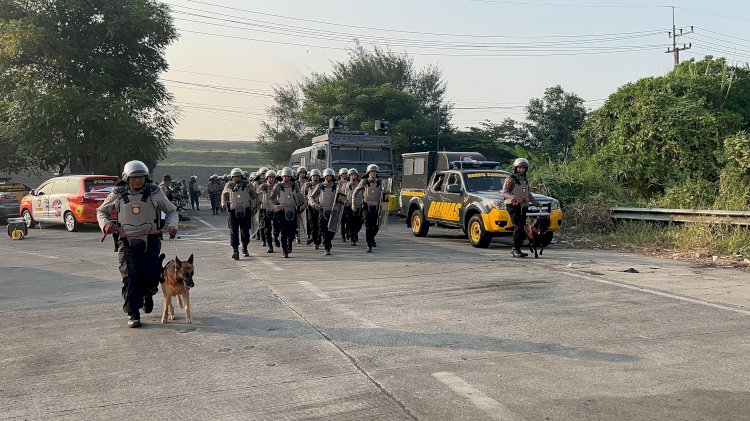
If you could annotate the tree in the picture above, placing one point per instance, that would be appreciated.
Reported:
(552, 120)
(285, 132)
(79, 83)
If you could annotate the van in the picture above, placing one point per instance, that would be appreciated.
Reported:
(71, 200)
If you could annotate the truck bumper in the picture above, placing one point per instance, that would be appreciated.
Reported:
(498, 221)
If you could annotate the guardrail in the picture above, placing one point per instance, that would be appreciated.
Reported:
(741, 218)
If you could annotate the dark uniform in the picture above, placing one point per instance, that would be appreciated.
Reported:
(287, 196)
(313, 215)
(138, 225)
(373, 197)
(323, 198)
(268, 220)
(214, 192)
(517, 197)
(236, 198)
(353, 208)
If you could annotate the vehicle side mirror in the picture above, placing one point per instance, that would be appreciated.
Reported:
(453, 188)
(321, 154)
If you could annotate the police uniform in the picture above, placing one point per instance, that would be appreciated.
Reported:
(214, 192)
(268, 220)
(353, 209)
(288, 196)
(302, 215)
(343, 180)
(313, 216)
(139, 243)
(516, 197)
(324, 196)
(236, 198)
(373, 196)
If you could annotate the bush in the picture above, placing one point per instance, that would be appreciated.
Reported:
(577, 181)
(690, 194)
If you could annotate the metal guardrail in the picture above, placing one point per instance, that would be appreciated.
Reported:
(741, 218)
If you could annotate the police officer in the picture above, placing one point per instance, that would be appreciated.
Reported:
(214, 192)
(286, 198)
(266, 209)
(372, 188)
(194, 193)
(236, 198)
(138, 203)
(313, 215)
(258, 180)
(323, 199)
(517, 197)
(301, 217)
(342, 182)
(353, 206)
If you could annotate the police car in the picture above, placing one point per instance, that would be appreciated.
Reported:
(463, 190)
(70, 200)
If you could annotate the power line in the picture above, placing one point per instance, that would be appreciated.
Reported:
(675, 50)
(573, 5)
(221, 76)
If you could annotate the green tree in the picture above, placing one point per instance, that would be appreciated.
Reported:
(79, 82)
(552, 120)
(284, 132)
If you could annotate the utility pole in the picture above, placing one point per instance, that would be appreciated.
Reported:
(675, 50)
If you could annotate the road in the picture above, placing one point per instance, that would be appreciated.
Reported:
(424, 328)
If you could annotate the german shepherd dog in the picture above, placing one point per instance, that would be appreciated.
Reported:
(176, 280)
(536, 232)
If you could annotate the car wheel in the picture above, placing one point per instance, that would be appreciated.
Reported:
(28, 219)
(71, 223)
(547, 238)
(477, 235)
(419, 226)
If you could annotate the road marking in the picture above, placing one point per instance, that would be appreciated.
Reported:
(37, 254)
(266, 262)
(338, 306)
(490, 406)
(207, 224)
(659, 293)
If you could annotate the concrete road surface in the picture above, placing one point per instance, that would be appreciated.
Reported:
(424, 328)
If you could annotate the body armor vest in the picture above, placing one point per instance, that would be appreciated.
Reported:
(215, 187)
(265, 194)
(288, 196)
(137, 214)
(327, 196)
(240, 195)
(351, 197)
(520, 188)
(373, 191)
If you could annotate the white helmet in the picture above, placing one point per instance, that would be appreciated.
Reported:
(287, 172)
(373, 167)
(271, 173)
(315, 171)
(235, 171)
(353, 171)
(329, 171)
(343, 171)
(261, 170)
(134, 169)
(214, 177)
(301, 169)
(521, 162)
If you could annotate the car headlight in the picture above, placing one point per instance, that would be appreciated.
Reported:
(497, 204)
(555, 204)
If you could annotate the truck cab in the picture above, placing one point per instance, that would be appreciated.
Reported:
(463, 190)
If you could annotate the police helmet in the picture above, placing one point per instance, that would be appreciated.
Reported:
(134, 169)
(214, 177)
(521, 162)
(235, 171)
(251, 176)
(343, 171)
(271, 173)
(262, 170)
(245, 174)
(373, 167)
(328, 171)
(301, 169)
(287, 172)
(353, 171)
(315, 171)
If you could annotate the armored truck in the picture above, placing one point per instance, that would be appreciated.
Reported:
(463, 190)
(339, 148)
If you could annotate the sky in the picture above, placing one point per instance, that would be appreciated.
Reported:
(494, 55)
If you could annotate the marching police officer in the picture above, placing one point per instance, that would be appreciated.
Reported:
(301, 216)
(286, 198)
(517, 197)
(342, 182)
(323, 199)
(353, 206)
(214, 192)
(313, 215)
(236, 198)
(266, 210)
(373, 196)
(139, 204)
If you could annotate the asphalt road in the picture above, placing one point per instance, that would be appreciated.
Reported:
(424, 328)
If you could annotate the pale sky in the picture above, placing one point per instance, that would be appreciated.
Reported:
(494, 55)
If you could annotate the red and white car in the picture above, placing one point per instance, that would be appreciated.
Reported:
(70, 200)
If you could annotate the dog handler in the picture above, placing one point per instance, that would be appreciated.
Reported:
(517, 198)
(138, 203)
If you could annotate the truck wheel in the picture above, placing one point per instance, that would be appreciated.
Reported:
(477, 235)
(547, 238)
(419, 226)
(28, 219)
(71, 223)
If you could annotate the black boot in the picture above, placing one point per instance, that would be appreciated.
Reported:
(518, 253)
(270, 248)
(244, 252)
(134, 321)
(236, 255)
(148, 303)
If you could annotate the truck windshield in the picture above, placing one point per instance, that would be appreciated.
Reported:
(484, 181)
(345, 153)
(375, 154)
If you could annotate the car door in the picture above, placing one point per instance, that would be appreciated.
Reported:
(453, 202)
(59, 199)
(41, 202)
(432, 197)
